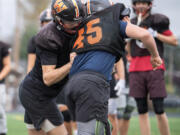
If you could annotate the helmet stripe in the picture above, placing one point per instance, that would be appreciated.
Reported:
(48, 13)
(76, 6)
(88, 7)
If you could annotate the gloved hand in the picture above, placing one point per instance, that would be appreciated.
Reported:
(152, 32)
(120, 85)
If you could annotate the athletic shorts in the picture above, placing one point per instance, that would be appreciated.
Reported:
(87, 94)
(125, 100)
(112, 106)
(152, 82)
(38, 107)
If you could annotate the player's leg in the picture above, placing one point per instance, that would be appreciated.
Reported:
(162, 119)
(127, 115)
(142, 107)
(67, 121)
(30, 127)
(92, 127)
(47, 128)
(90, 93)
(112, 114)
(138, 90)
(157, 94)
(121, 105)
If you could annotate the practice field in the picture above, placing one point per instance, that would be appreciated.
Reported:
(17, 127)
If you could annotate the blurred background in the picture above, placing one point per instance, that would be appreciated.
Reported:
(20, 21)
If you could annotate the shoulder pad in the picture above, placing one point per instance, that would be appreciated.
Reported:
(49, 38)
(160, 22)
(121, 9)
(125, 12)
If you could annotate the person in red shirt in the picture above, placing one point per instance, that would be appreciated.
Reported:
(143, 79)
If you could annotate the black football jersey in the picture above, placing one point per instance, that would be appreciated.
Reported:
(101, 31)
(157, 22)
(4, 51)
(52, 48)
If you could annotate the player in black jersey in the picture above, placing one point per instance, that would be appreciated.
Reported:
(45, 18)
(99, 44)
(38, 90)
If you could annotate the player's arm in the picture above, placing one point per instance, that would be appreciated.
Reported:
(31, 50)
(31, 61)
(52, 75)
(6, 67)
(128, 48)
(120, 69)
(120, 85)
(136, 32)
(170, 40)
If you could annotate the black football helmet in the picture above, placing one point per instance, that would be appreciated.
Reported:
(148, 1)
(67, 10)
(93, 6)
(45, 16)
(142, 11)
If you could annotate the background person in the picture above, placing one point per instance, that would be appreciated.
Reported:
(5, 67)
(143, 79)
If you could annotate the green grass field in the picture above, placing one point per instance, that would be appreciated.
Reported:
(17, 127)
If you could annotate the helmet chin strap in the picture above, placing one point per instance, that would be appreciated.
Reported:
(139, 19)
(141, 13)
(61, 28)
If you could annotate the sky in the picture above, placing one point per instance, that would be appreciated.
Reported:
(171, 8)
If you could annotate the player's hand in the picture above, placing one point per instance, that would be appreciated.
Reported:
(119, 87)
(72, 56)
(156, 62)
(152, 32)
(126, 19)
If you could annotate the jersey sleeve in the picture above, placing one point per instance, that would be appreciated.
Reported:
(123, 25)
(48, 38)
(160, 23)
(31, 46)
(47, 57)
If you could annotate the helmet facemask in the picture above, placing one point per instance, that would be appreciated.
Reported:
(140, 8)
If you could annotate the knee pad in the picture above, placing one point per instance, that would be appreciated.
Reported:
(67, 116)
(128, 111)
(142, 105)
(120, 113)
(158, 104)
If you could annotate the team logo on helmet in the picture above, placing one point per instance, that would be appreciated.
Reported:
(59, 6)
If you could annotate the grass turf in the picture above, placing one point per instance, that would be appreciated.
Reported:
(16, 125)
